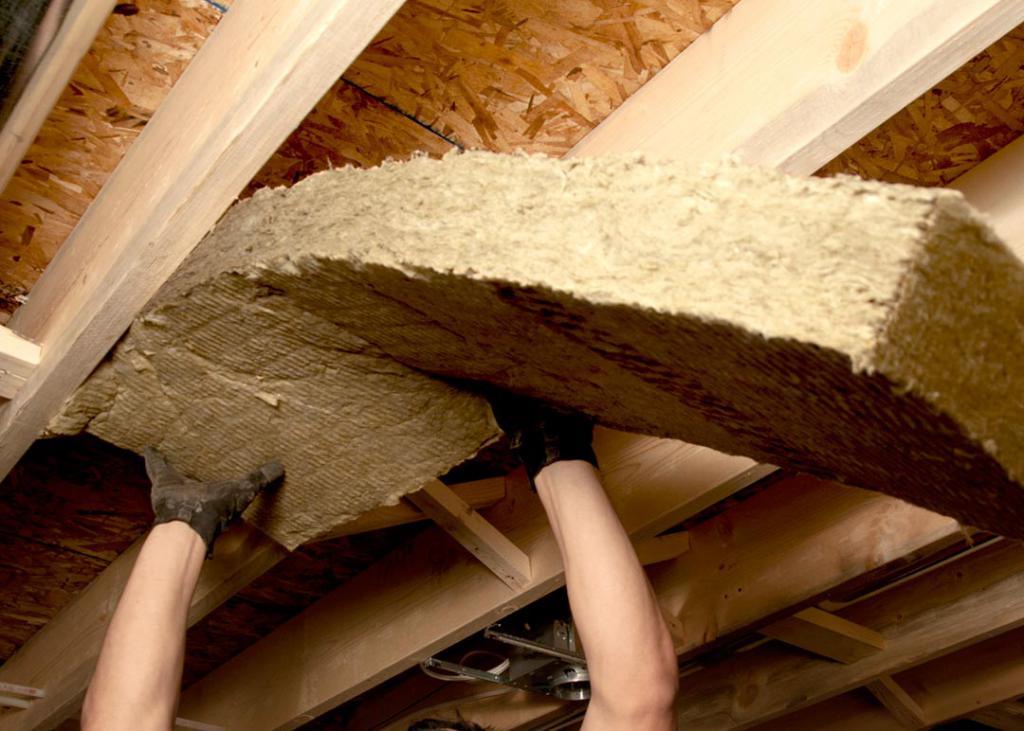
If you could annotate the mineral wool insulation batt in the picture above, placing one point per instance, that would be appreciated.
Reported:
(870, 333)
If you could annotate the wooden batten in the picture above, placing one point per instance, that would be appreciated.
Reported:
(827, 635)
(898, 701)
(944, 133)
(457, 518)
(18, 358)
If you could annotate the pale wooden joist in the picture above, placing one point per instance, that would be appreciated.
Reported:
(18, 358)
(81, 23)
(992, 187)
(494, 550)
(843, 533)
(962, 603)
(900, 704)
(784, 549)
(980, 682)
(1005, 716)
(827, 635)
(243, 554)
(257, 76)
(402, 609)
(791, 84)
(477, 494)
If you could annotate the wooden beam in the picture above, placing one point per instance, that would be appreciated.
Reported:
(753, 571)
(440, 503)
(662, 548)
(899, 703)
(1005, 716)
(791, 84)
(257, 76)
(424, 598)
(60, 657)
(992, 188)
(827, 635)
(18, 358)
(477, 494)
(978, 682)
(959, 604)
(81, 23)
(243, 554)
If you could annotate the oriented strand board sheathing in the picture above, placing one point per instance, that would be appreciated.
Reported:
(945, 132)
(137, 57)
(528, 75)
(853, 329)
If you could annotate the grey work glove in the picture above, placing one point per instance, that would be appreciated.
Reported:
(540, 433)
(207, 507)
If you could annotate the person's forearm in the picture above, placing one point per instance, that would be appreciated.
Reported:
(138, 675)
(628, 647)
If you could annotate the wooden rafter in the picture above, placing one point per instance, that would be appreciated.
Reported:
(61, 656)
(957, 605)
(78, 339)
(495, 551)
(827, 635)
(18, 358)
(791, 84)
(980, 681)
(400, 610)
(262, 69)
(242, 555)
(784, 549)
(898, 701)
(79, 27)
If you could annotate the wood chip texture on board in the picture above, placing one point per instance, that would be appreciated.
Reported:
(861, 331)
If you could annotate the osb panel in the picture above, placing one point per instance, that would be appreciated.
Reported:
(972, 114)
(525, 74)
(346, 127)
(136, 58)
(67, 509)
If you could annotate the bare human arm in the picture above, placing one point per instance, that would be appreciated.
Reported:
(633, 669)
(138, 674)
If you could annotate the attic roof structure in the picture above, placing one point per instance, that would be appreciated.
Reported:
(806, 383)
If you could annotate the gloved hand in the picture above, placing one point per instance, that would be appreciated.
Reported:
(206, 506)
(541, 433)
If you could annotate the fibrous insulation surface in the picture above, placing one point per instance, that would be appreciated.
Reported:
(868, 332)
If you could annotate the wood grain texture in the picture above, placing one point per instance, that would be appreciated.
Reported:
(1003, 716)
(525, 74)
(61, 657)
(77, 31)
(138, 55)
(751, 572)
(477, 494)
(457, 518)
(899, 703)
(18, 358)
(135, 235)
(951, 128)
(979, 682)
(409, 598)
(827, 635)
(960, 604)
(826, 75)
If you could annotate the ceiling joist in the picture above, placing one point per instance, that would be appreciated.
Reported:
(867, 64)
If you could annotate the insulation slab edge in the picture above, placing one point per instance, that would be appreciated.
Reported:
(864, 332)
